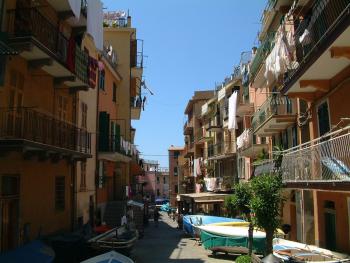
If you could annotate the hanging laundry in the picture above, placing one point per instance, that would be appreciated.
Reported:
(143, 103)
(93, 65)
(71, 55)
(75, 6)
(232, 109)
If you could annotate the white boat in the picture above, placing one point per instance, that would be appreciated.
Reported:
(290, 250)
(109, 257)
(231, 231)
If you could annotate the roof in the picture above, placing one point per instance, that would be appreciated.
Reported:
(202, 195)
(208, 201)
(6, 50)
(176, 148)
(199, 95)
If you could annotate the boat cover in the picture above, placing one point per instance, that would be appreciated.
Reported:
(210, 240)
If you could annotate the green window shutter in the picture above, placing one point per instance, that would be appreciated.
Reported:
(104, 131)
(117, 137)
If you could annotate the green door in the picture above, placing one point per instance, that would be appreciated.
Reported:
(330, 230)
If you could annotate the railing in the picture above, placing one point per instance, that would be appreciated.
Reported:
(29, 22)
(274, 105)
(325, 18)
(32, 125)
(245, 140)
(110, 55)
(216, 149)
(324, 159)
(115, 143)
(200, 134)
(262, 52)
(136, 102)
(267, 166)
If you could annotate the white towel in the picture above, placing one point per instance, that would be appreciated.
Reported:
(95, 22)
(232, 108)
(75, 5)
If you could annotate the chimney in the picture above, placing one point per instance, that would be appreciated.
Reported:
(129, 21)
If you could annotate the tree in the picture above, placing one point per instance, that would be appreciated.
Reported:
(266, 204)
(241, 200)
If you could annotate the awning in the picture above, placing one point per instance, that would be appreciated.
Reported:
(209, 201)
(6, 50)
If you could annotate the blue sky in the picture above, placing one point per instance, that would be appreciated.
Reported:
(191, 45)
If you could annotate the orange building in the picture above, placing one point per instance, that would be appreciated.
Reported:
(40, 141)
(174, 170)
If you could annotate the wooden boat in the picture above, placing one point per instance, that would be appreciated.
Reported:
(231, 231)
(190, 222)
(299, 252)
(120, 239)
(110, 257)
(230, 224)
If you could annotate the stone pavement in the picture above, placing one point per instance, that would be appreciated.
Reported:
(169, 244)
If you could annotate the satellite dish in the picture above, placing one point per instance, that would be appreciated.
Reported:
(110, 50)
(123, 14)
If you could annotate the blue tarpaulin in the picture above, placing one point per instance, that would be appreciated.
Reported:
(34, 252)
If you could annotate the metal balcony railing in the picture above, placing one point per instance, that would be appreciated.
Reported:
(326, 16)
(216, 149)
(324, 159)
(262, 52)
(116, 144)
(32, 125)
(273, 106)
(29, 22)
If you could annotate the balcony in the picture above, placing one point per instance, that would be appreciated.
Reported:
(215, 124)
(136, 105)
(37, 132)
(248, 146)
(324, 51)
(189, 149)
(321, 163)
(221, 150)
(276, 114)
(244, 107)
(136, 59)
(262, 52)
(188, 127)
(114, 148)
(42, 44)
(201, 136)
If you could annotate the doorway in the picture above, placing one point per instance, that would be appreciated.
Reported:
(330, 225)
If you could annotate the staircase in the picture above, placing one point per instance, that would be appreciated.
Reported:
(114, 212)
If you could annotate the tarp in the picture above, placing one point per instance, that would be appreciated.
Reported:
(34, 252)
(209, 241)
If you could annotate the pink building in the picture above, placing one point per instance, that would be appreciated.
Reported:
(155, 181)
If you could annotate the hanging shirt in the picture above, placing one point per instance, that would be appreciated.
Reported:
(232, 109)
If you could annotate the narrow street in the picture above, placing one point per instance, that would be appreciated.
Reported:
(169, 244)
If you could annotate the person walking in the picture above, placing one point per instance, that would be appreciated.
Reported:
(156, 217)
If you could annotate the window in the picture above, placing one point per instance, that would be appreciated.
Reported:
(101, 80)
(114, 92)
(158, 192)
(2, 69)
(84, 108)
(83, 175)
(175, 171)
(157, 179)
(164, 181)
(16, 89)
(60, 193)
(176, 188)
(176, 154)
(9, 185)
(323, 118)
(62, 108)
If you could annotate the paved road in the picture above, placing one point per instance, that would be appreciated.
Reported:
(169, 244)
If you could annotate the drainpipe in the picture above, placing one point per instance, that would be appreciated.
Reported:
(96, 146)
(73, 170)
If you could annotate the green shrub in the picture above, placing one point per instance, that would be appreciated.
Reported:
(243, 259)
